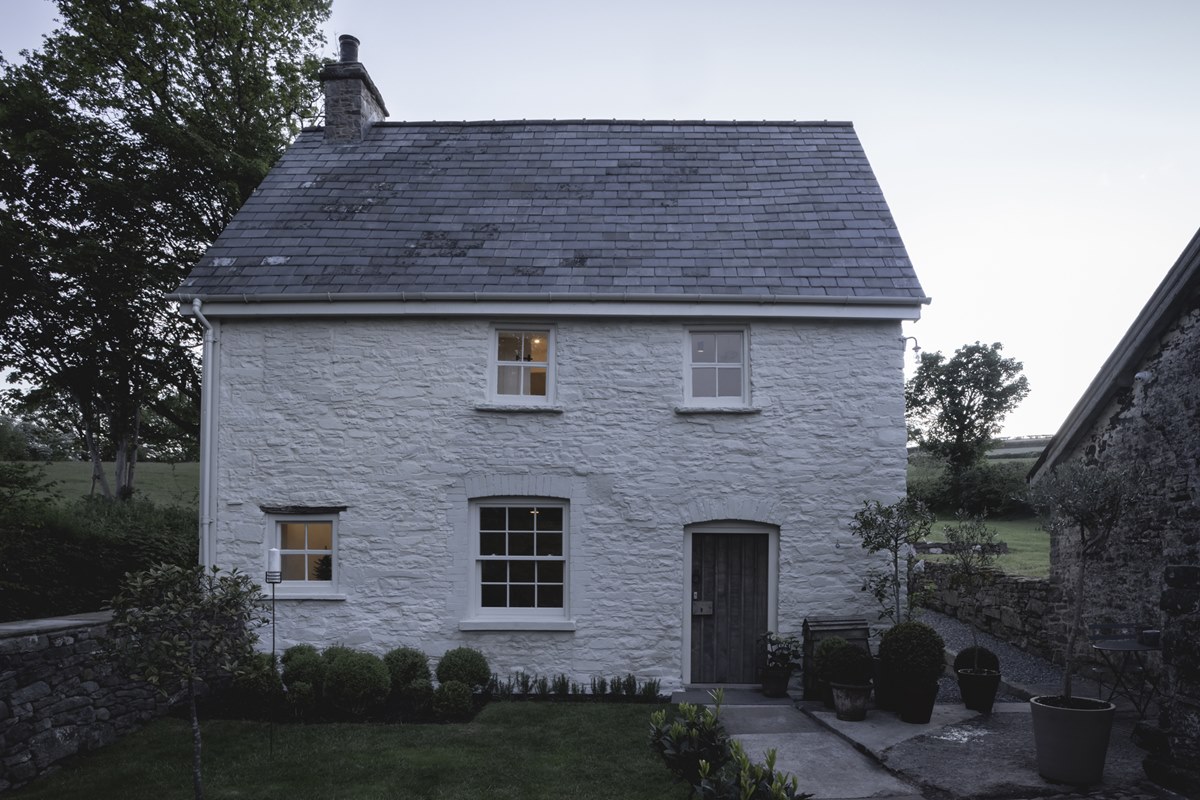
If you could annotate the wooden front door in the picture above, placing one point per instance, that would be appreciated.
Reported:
(730, 576)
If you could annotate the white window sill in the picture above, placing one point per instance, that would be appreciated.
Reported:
(516, 625)
(520, 408)
(307, 595)
(698, 409)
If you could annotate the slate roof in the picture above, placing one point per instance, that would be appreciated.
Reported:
(672, 210)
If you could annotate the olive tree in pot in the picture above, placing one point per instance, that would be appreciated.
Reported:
(849, 669)
(1086, 502)
(913, 654)
(899, 587)
(972, 547)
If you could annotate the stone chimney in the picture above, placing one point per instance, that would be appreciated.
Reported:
(352, 103)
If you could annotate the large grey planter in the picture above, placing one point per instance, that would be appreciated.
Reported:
(1072, 743)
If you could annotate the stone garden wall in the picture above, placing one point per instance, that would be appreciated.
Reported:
(58, 696)
(1010, 607)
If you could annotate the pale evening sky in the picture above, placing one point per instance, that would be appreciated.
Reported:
(1040, 156)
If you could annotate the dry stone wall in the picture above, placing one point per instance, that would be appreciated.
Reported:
(59, 696)
(1147, 572)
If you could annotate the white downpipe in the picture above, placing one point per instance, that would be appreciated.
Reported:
(207, 436)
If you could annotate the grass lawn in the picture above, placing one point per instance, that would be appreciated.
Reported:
(1028, 546)
(165, 484)
(511, 750)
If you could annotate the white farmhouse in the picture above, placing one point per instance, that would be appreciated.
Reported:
(593, 397)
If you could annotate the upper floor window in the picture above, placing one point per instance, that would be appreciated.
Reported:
(717, 369)
(522, 364)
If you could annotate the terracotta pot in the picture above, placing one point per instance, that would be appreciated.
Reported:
(915, 702)
(978, 688)
(850, 700)
(1071, 738)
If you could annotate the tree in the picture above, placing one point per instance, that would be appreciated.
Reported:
(1086, 501)
(895, 529)
(126, 145)
(954, 406)
(176, 626)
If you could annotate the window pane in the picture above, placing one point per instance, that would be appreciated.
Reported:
(508, 380)
(520, 596)
(520, 544)
(539, 345)
(291, 535)
(729, 382)
(550, 597)
(704, 347)
(494, 571)
(509, 346)
(320, 568)
(491, 544)
(522, 518)
(521, 571)
(292, 567)
(320, 536)
(550, 519)
(729, 348)
(492, 519)
(494, 596)
(550, 571)
(704, 382)
(549, 543)
(537, 381)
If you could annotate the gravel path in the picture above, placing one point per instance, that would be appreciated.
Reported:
(1016, 666)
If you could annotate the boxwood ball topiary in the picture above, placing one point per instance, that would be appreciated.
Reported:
(406, 664)
(825, 648)
(303, 664)
(452, 700)
(966, 658)
(465, 665)
(913, 653)
(850, 665)
(356, 684)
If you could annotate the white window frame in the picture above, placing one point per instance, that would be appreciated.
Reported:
(740, 401)
(306, 587)
(491, 613)
(494, 364)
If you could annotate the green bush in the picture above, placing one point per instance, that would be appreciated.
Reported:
(912, 653)
(71, 558)
(415, 701)
(256, 691)
(826, 648)
(356, 683)
(850, 665)
(464, 665)
(966, 658)
(694, 735)
(741, 779)
(405, 665)
(453, 700)
(303, 664)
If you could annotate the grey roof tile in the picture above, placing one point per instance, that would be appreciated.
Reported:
(588, 207)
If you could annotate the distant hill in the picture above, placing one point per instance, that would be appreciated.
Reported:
(165, 484)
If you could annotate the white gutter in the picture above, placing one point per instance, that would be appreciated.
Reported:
(207, 437)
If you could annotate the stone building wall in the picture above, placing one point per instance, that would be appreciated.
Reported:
(58, 695)
(1147, 572)
(1010, 607)
(389, 419)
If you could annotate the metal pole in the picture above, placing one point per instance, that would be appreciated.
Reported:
(274, 576)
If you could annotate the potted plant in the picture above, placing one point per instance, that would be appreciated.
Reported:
(849, 669)
(913, 655)
(783, 656)
(1084, 502)
(972, 547)
(899, 587)
(821, 655)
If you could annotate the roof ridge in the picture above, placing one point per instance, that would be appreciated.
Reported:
(824, 123)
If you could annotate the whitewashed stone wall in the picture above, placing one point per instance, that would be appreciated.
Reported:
(381, 416)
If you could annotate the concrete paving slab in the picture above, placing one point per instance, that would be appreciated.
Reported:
(767, 719)
(825, 766)
(883, 729)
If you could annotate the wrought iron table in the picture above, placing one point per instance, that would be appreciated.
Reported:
(1126, 658)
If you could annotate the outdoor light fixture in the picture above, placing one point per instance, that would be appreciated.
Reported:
(916, 347)
(274, 577)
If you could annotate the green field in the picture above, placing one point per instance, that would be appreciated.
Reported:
(1028, 546)
(165, 484)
